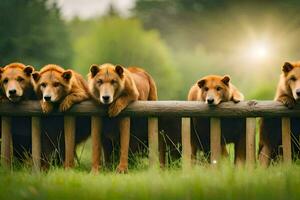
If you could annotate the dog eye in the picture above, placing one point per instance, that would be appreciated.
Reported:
(205, 88)
(100, 81)
(20, 79)
(43, 85)
(218, 88)
(113, 81)
(5, 81)
(293, 78)
(56, 84)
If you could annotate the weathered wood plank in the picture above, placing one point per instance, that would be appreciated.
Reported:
(153, 141)
(69, 128)
(286, 140)
(6, 142)
(36, 143)
(215, 140)
(96, 128)
(186, 142)
(163, 108)
(250, 141)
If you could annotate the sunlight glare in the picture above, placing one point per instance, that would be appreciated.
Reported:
(259, 51)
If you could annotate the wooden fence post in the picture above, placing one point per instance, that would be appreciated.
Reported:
(250, 141)
(96, 131)
(6, 142)
(36, 143)
(186, 142)
(69, 128)
(215, 140)
(153, 141)
(286, 140)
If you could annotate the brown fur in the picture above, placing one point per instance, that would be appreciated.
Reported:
(288, 84)
(16, 87)
(108, 81)
(216, 87)
(214, 90)
(288, 93)
(116, 87)
(65, 88)
(15, 81)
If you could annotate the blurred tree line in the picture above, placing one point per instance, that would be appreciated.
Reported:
(177, 41)
(33, 32)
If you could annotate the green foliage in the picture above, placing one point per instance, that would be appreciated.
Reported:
(124, 41)
(32, 31)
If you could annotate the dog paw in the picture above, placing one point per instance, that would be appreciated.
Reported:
(64, 106)
(236, 100)
(113, 110)
(46, 107)
(122, 169)
(288, 102)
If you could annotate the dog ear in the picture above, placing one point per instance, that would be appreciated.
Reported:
(36, 76)
(28, 70)
(94, 69)
(201, 83)
(120, 70)
(287, 67)
(226, 80)
(67, 75)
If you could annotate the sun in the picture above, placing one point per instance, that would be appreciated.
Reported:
(259, 51)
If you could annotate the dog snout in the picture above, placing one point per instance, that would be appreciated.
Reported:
(12, 91)
(298, 92)
(47, 98)
(106, 98)
(210, 100)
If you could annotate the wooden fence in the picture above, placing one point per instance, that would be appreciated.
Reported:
(152, 110)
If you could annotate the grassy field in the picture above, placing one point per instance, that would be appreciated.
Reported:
(200, 182)
(205, 182)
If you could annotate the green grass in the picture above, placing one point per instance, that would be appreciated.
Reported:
(200, 182)
(223, 182)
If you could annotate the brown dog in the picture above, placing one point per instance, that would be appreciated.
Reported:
(116, 87)
(16, 86)
(288, 93)
(15, 82)
(214, 90)
(59, 88)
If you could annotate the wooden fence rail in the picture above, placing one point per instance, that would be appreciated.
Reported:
(152, 110)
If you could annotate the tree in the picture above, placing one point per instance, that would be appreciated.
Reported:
(33, 32)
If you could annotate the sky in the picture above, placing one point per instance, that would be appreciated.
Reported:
(90, 8)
